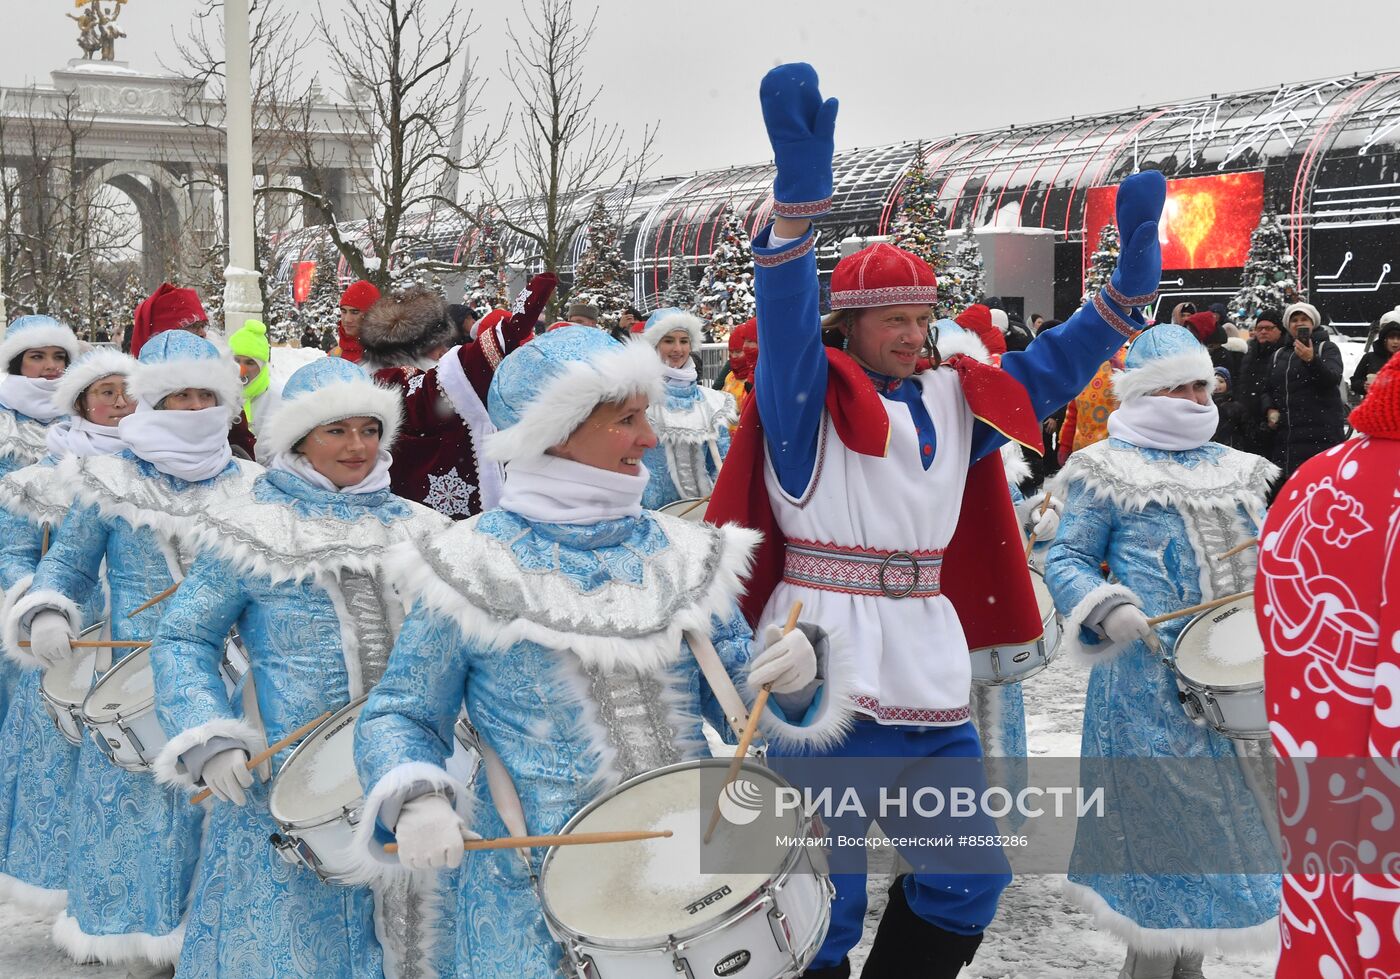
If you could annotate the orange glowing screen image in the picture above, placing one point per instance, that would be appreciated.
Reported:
(1206, 222)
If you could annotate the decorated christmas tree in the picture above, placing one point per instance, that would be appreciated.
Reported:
(1267, 282)
(1102, 262)
(725, 298)
(680, 291)
(960, 284)
(920, 227)
(488, 290)
(602, 276)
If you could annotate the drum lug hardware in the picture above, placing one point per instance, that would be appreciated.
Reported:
(681, 966)
(782, 931)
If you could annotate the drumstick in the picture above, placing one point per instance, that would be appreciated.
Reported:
(700, 502)
(108, 644)
(1030, 541)
(1203, 607)
(555, 839)
(267, 753)
(154, 601)
(758, 704)
(1252, 542)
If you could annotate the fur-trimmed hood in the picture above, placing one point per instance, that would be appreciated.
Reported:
(326, 390)
(668, 320)
(88, 370)
(30, 332)
(402, 327)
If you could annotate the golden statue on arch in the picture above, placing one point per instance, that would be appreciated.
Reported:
(97, 30)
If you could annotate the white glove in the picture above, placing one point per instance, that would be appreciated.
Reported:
(788, 662)
(226, 775)
(430, 834)
(51, 637)
(1044, 526)
(1127, 624)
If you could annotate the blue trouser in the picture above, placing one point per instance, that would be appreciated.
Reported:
(961, 893)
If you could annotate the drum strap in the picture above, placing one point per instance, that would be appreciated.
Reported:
(718, 677)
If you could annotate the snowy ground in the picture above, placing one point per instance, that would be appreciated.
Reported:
(1036, 935)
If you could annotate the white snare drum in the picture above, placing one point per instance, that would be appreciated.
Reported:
(645, 909)
(1012, 664)
(121, 711)
(1219, 666)
(65, 686)
(692, 510)
(316, 799)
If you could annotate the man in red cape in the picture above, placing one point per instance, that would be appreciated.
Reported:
(885, 509)
(1327, 600)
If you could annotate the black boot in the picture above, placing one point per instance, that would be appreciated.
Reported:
(908, 947)
(842, 971)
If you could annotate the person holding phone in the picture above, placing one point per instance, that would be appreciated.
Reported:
(1303, 398)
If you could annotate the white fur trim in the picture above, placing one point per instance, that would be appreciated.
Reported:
(688, 322)
(453, 383)
(1308, 308)
(1106, 593)
(152, 382)
(417, 582)
(1000, 320)
(102, 362)
(17, 342)
(9, 634)
(965, 342)
(295, 417)
(569, 398)
(1013, 462)
(14, 631)
(167, 764)
(1163, 374)
(833, 722)
(117, 949)
(1125, 477)
(1263, 937)
(36, 900)
(1237, 345)
(369, 861)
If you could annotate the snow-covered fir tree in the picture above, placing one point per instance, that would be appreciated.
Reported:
(680, 290)
(725, 298)
(1102, 262)
(1267, 282)
(282, 316)
(961, 283)
(920, 227)
(488, 290)
(603, 277)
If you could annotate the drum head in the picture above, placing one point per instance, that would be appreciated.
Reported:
(125, 688)
(692, 510)
(1043, 601)
(1222, 647)
(68, 682)
(319, 779)
(638, 893)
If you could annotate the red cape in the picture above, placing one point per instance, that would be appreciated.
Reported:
(985, 573)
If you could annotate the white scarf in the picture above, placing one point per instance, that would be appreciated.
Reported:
(1159, 422)
(550, 489)
(679, 377)
(79, 437)
(32, 396)
(192, 445)
(298, 465)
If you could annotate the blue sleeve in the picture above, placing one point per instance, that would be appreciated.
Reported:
(73, 565)
(1073, 566)
(20, 542)
(790, 379)
(1054, 368)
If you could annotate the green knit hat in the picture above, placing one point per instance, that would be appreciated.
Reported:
(251, 341)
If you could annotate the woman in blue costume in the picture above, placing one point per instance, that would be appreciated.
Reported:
(558, 618)
(35, 352)
(297, 567)
(37, 763)
(135, 843)
(691, 422)
(1157, 500)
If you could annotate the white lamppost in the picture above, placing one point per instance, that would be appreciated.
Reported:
(242, 299)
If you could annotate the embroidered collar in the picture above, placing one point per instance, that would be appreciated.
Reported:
(313, 502)
(1205, 478)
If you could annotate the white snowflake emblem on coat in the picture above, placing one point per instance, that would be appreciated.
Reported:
(415, 382)
(449, 494)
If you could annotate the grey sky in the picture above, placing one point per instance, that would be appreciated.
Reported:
(902, 69)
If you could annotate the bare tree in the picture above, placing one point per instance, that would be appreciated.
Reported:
(564, 152)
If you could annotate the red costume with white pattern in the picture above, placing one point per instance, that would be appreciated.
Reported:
(1328, 607)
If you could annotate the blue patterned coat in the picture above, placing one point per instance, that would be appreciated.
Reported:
(297, 570)
(135, 842)
(565, 643)
(1156, 517)
(692, 429)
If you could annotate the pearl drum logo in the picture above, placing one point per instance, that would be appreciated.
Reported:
(733, 963)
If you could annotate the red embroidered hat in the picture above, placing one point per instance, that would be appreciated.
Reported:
(882, 275)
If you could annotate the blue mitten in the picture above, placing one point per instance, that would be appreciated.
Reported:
(801, 128)
(1139, 271)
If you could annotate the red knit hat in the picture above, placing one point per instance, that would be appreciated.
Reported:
(490, 321)
(882, 275)
(978, 319)
(360, 295)
(1205, 327)
(168, 308)
(1378, 414)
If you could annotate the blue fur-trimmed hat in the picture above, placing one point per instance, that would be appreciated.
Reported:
(1162, 357)
(177, 359)
(87, 370)
(545, 389)
(327, 390)
(29, 332)
(670, 319)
